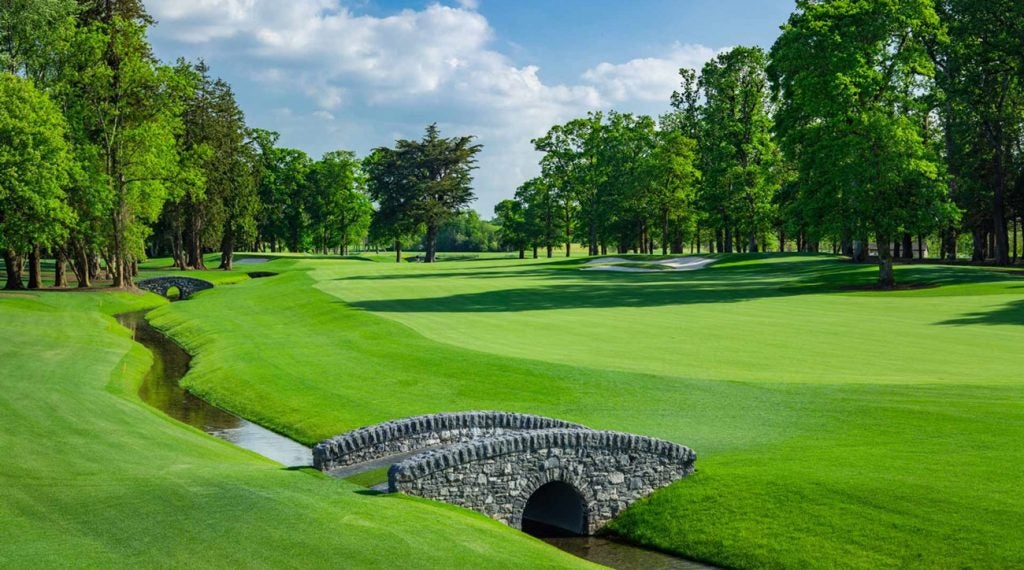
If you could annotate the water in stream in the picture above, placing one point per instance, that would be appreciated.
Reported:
(161, 389)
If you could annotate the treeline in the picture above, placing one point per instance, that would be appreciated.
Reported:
(108, 154)
(870, 127)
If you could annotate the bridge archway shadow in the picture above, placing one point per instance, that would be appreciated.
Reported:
(555, 509)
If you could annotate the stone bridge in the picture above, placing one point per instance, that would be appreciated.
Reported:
(186, 285)
(533, 473)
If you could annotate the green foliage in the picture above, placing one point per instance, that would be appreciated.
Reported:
(848, 74)
(513, 232)
(467, 232)
(131, 107)
(29, 32)
(420, 183)
(740, 157)
(978, 51)
(338, 206)
(34, 167)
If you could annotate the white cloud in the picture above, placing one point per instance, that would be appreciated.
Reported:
(648, 79)
(380, 76)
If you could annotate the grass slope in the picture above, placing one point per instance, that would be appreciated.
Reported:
(834, 428)
(91, 477)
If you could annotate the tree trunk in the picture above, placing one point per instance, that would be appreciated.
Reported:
(978, 240)
(535, 252)
(951, 244)
(431, 243)
(568, 249)
(551, 251)
(12, 264)
(920, 246)
(195, 250)
(1000, 238)
(35, 270)
(592, 236)
(398, 251)
(885, 276)
(665, 231)
(677, 243)
(1014, 221)
(896, 250)
(60, 276)
(80, 265)
(227, 250)
(908, 246)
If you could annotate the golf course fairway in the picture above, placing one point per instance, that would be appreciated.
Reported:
(834, 426)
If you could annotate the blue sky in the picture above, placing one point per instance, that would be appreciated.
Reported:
(356, 74)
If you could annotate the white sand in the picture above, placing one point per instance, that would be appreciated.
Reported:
(675, 264)
(248, 260)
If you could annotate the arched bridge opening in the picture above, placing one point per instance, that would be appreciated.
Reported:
(555, 509)
(165, 286)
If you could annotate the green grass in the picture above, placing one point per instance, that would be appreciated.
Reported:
(92, 477)
(370, 478)
(834, 427)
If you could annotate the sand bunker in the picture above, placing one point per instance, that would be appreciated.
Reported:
(674, 264)
(248, 260)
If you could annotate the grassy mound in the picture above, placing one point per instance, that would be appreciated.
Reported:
(91, 477)
(834, 427)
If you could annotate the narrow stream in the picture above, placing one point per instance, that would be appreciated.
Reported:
(161, 389)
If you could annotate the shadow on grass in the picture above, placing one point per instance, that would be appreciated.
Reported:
(728, 282)
(1009, 314)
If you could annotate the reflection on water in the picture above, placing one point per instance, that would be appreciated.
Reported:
(610, 551)
(616, 553)
(161, 389)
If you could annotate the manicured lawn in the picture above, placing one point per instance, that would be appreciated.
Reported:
(834, 427)
(92, 477)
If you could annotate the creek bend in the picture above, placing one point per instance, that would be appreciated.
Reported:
(162, 390)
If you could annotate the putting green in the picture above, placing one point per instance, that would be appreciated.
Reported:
(834, 427)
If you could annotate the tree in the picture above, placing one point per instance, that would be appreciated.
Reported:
(845, 71)
(130, 107)
(738, 143)
(33, 173)
(511, 220)
(390, 177)
(339, 210)
(979, 58)
(29, 30)
(540, 213)
(673, 177)
(424, 182)
(467, 232)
